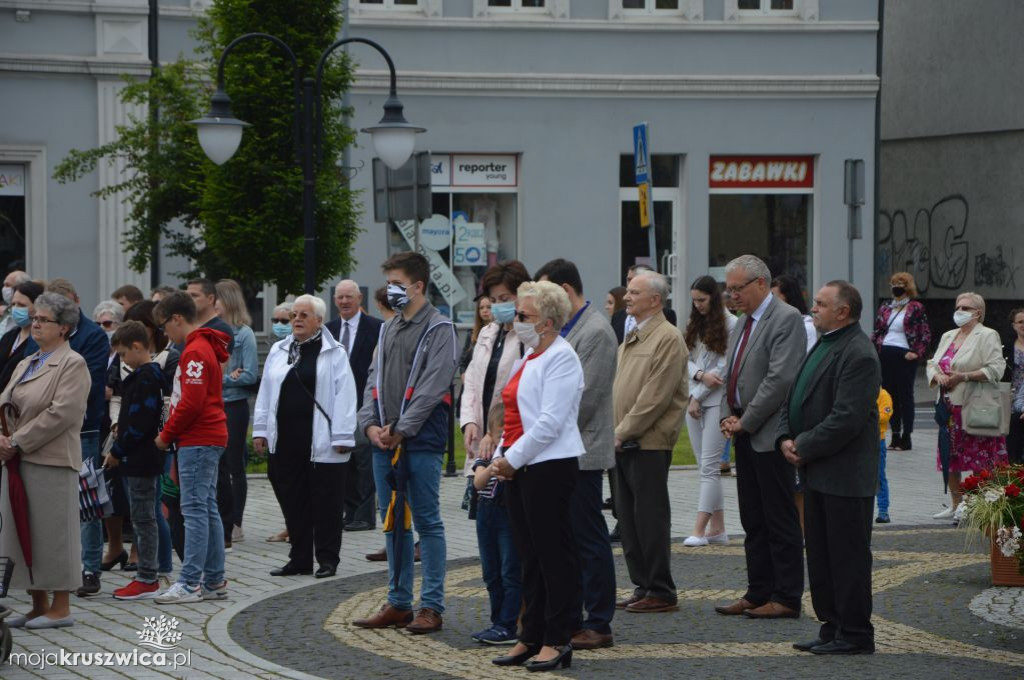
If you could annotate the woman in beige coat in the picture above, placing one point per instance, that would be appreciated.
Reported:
(969, 353)
(50, 388)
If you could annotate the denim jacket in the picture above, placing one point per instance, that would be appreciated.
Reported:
(243, 357)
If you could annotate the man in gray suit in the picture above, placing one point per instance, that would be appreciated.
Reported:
(829, 429)
(591, 336)
(765, 351)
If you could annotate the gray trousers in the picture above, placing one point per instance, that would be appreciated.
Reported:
(645, 521)
(141, 493)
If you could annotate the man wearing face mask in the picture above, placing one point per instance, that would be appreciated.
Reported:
(407, 403)
(11, 281)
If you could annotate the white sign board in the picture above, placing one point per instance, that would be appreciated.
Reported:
(12, 180)
(485, 170)
(440, 170)
(440, 274)
(470, 247)
(436, 232)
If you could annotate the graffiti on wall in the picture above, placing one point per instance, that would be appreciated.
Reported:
(934, 244)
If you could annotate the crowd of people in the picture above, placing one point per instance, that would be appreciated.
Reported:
(353, 415)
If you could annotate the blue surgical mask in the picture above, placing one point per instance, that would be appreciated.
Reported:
(398, 297)
(20, 316)
(503, 311)
(282, 330)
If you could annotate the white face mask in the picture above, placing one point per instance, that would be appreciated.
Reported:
(962, 316)
(8, 294)
(527, 334)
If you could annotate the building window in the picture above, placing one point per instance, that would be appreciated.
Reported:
(765, 6)
(13, 218)
(521, 9)
(650, 6)
(634, 244)
(517, 5)
(388, 4)
(761, 205)
(768, 10)
(475, 224)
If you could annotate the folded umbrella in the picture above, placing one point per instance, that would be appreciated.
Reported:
(16, 489)
(942, 419)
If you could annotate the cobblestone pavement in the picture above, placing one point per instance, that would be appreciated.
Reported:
(934, 608)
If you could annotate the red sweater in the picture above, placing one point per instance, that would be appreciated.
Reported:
(197, 407)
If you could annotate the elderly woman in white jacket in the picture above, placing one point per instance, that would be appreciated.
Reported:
(538, 454)
(305, 416)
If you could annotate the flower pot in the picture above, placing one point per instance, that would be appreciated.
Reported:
(1005, 570)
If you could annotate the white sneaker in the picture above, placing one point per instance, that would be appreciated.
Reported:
(718, 539)
(945, 514)
(695, 542)
(218, 592)
(237, 535)
(179, 593)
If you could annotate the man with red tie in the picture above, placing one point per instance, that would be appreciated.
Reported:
(765, 352)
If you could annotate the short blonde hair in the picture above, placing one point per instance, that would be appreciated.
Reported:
(551, 300)
(318, 305)
(976, 300)
(905, 279)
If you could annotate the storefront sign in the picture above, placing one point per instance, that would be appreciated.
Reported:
(470, 246)
(474, 170)
(440, 274)
(12, 180)
(761, 172)
(436, 232)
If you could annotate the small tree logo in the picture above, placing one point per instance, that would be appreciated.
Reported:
(159, 633)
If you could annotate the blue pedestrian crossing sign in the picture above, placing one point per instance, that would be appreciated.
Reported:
(642, 171)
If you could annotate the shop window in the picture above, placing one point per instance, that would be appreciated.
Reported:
(761, 205)
(475, 224)
(12, 217)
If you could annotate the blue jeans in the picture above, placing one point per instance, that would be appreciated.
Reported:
(92, 531)
(883, 484)
(165, 546)
(499, 561)
(425, 502)
(204, 532)
(597, 566)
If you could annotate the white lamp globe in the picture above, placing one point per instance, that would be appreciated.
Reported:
(219, 139)
(394, 146)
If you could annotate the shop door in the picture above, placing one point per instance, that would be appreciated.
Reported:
(634, 247)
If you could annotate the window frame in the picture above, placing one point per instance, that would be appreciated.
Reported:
(552, 9)
(650, 10)
(803, 10)
(387, 6)
(516, 6)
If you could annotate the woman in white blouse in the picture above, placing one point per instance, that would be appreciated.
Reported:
(538, 454)
(707, 334)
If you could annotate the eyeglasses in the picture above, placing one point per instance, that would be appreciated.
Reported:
(302, 316)
(280, 320)
(523, 317)
(40, 320)
(109, 323)
(965, 308)
(736, 290)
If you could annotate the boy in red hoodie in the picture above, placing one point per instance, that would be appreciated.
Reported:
(199, 427)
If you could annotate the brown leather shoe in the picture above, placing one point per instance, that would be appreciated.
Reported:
(387, 616)
(591, 639)
(772, 610)
(652, 605)
(738, 607)
(622, 604)
(426, 621)
(379, 556)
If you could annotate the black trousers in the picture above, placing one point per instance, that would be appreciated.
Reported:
(773, 545)
(360, 492)
(838, 531)
(1015, 439)
(595, 551)
(645, 521)
(232, 468)
(538, 502)
(898, 376)
(312, 497)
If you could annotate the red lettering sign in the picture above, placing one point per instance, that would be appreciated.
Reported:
(761, 172)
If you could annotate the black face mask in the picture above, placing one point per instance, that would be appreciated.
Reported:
(898, 291)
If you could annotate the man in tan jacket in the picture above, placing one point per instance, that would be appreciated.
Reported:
(650, 395)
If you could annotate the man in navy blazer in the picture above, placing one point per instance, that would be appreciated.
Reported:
(358, 333)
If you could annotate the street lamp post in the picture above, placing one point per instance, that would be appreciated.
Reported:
(220, 132)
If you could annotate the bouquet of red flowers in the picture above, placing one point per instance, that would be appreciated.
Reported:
(993, 502)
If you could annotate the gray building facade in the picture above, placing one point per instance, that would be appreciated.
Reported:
(752, 105)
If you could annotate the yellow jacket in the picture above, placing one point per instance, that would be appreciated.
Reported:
(884, 412)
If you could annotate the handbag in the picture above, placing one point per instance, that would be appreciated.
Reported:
(93, 495)
(986, 409)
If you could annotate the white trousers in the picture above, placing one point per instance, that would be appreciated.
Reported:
(708, 443)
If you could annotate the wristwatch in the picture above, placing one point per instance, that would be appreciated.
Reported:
(14, 445)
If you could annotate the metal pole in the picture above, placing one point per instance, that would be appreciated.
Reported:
(308, 187)
(450, 467)
(346, 119)
(154, 148)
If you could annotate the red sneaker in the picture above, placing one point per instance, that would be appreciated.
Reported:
(137, 590)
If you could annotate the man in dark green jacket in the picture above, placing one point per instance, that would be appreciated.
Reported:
(829, 430)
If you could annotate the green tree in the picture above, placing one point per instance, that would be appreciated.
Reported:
(243, 219)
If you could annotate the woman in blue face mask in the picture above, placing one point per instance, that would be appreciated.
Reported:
(12, 344)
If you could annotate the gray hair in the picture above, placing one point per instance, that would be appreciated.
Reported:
(318, 305)
(65, 312)
(286, 306)
(20, 277)
(551, 300)
(111, 307)
(658, 283)
(975, 299)
(752, 265)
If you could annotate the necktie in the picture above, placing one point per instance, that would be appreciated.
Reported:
(734, 375)
(345, 336)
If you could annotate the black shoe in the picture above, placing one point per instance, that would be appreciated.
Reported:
(291, 570)
(324, 571)
(90, 584)
(130, 566)
(358, 525)
(806, 646)
(121, 559)
(840, 647)
(615, 536)
(905, 443)
(882, 519)
(564, 659)
(897, 443)
(517, 659)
